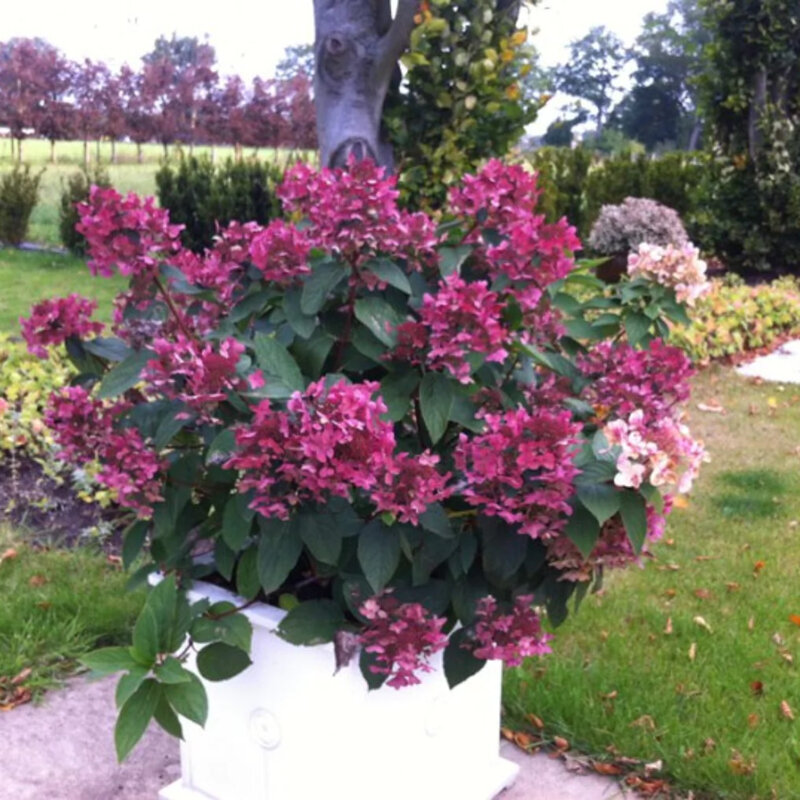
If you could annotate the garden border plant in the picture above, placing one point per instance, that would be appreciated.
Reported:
(412, 437)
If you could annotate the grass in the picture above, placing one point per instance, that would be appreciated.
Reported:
(617, 681)
(57, 606)
(27, 277)
(126, 176)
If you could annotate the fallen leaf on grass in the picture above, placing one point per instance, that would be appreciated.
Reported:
(603, 768)
(561, 743)
(787, 657)
(751, 624)
(786, 710)
(700, 622)
(670, 593)
(526, 741)
(732, 586)
(507, 733)
(654, 766)
(778, 640)
(706, 558)
(37, 580)
(8, 555)
(757, 567)
(757, 688)
(702, 594)
(794, 618)
(647, 788)
(535, 721)
(680, 501)
(739, 765)
(668, 627)
(21, 677)
(611, 695)
(693, 651)
(711, 407)
(752, 720)
(646, 722)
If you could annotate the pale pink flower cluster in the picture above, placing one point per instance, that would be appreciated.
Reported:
(662, 453)
(679, 268)
(402, 637)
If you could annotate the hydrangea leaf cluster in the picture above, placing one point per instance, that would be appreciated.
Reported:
(416, 428)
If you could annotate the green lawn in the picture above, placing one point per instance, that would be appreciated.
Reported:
(706, 697)
(27, 277)
(57, 606)
(126, 176)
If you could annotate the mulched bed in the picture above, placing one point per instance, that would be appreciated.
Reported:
(47, 511)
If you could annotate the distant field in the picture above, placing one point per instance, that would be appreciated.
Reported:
(127, 175)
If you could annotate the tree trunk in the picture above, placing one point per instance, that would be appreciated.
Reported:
(19, 150)
(11, 140)
(52, 151)
(356, 51)
(86, 153)
(97, 151)
(113, 151)
(139, 157)
(694, 138)
(757, 105)
(213, 153)
(166, 151)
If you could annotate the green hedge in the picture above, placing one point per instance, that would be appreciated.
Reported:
(202, 196)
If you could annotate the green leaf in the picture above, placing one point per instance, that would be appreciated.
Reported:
(233, 629)
(110, 349)
(583, 530)
(310, 623)
(436, 402)
(636, 326)
(459, 662)
(634, 517)
(237, 520)
(135, 716)
(435, 520)
(163, 601)
(602, 499)
(129, 683)
(188, 699)
(279, 548)
(652, 496)
(380, 318)
(172, 671)
(378, 553)
(220, 661)
(504, 549)
(594, 472)
(389, 272)
(396, 390)
(319, 535)
(171, 424)
(318, 286)
(222, 447)
(145, 637)
(247, 584)
(125, 375)
(452, 258)
(108, 660)
(276, 360)
(374, 680)
(312, 354)
(167, 719)
(302, 324)
(133, 542)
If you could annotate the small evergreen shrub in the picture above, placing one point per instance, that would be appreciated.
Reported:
(622, 228)
(204, 197)
(77, 191)
(19, 193)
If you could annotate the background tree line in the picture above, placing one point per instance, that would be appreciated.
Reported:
(175, 96)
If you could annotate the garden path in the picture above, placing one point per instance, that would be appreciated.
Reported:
(63, 749)
(781, 366)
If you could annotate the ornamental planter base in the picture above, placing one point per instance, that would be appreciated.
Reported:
(289, 729)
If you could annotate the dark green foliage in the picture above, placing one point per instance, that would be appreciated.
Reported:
(19, 192)
(202, 196)
(77, 191)
(576, 184)
(752, 102)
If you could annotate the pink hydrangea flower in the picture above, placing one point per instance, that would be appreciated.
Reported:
(129, 235)
(280, 252)
(402, 637)
(461, 319)
(52, 322)
(327, 442)
(520, 468)
(509, 637)
(678, 267)
(197, 373)
(80, 423)
(409, 485)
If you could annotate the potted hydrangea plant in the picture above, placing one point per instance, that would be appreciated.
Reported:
(361, 448)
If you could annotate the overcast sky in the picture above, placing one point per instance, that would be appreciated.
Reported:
(249, 37)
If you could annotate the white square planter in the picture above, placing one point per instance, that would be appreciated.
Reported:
(287, 728)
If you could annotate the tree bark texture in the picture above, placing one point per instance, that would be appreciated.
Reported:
(358, 44)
